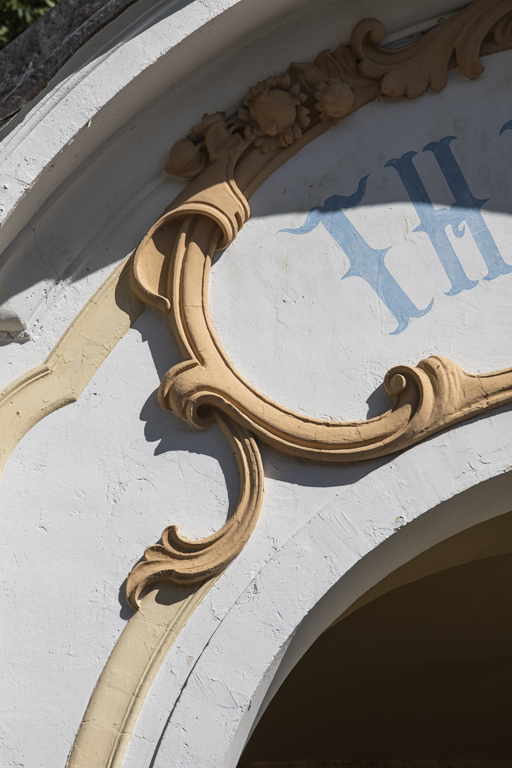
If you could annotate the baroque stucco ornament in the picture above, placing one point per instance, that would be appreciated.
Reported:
(230, 158)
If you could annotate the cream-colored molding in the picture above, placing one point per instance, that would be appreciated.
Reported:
(145, 641)
(123, 685)
(171, 269)
(69, 367)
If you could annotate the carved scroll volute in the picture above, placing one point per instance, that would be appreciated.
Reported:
(458, 41)
(185, 561)
(172, 269)
(211, 205)
(215, 195)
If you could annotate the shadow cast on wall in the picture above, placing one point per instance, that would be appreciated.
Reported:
(459, 207)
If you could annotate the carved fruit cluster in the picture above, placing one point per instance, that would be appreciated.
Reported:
(273, 114)
(334, 100)
(187, 158)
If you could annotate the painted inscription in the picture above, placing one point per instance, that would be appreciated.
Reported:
(369, 263)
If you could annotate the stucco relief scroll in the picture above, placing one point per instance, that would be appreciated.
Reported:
(229, 159)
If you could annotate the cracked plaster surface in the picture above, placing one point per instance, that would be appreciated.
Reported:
(92, 485)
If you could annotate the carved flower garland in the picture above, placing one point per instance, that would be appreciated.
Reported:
(335, 84)
(187, 158)
(273, 116)
(273, 113)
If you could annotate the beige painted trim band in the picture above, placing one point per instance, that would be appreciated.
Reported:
(122, 688)
(72, 363)
(118, 697)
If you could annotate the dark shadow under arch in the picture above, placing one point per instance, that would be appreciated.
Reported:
(419, 668)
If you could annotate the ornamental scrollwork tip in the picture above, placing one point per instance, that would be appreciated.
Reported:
(185, 561)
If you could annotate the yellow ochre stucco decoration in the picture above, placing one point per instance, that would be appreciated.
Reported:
(121, 690)
(69, 367)
(230, 159)
(171, 270)
(129, 672)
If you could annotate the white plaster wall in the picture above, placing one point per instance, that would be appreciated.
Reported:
(321, 344)
(274, 592)
(83, 171)
(207, 695)
(95, 483)
(82, 496)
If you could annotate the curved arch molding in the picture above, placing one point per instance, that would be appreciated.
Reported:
(74, 360)
(125, 681)
(228, 158)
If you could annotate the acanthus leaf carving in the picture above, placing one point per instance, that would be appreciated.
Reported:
(215, 139)
(172, 266)
(457, 41)
(186, 159)
(342, 65)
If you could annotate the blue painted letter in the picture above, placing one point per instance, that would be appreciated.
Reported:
(471, 214)
(365, 262)
(506, 127)
(465, 209)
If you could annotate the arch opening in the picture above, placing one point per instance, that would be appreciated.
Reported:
(417, 672)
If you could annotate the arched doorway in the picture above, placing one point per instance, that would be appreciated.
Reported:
(417, 672)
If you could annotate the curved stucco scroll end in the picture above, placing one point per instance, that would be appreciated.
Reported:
(214, 195)
(426, 399)
(458, 41)
(185, 561)
(449, 395)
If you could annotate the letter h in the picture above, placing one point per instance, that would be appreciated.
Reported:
(465, 210)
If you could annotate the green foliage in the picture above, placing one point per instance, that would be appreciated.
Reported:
(17, 15)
